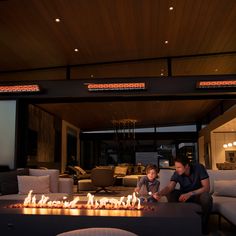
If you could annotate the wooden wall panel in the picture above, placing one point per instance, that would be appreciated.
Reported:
(43, 123)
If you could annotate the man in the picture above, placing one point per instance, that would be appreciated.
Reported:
(194, 187)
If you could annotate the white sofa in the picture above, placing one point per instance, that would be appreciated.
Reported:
(222, 188)
(59, 187)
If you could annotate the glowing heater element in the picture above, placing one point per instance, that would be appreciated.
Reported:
(217, 84)
(19, 88)
(116, 86)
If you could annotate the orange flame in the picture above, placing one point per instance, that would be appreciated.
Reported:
(132, 202)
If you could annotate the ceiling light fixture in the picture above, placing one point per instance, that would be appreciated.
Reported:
(225, 145)
(166, 42)
(57, 20)
(162, 74)
(171, 8)
(76, 49)
(230, 144)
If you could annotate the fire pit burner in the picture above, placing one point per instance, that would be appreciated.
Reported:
(131, 202)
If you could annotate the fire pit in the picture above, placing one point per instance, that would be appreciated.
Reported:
(26, 220)
(131, 202)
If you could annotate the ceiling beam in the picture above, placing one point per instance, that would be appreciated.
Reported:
(123, 61)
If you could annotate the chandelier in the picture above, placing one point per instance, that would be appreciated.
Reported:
(124, 129)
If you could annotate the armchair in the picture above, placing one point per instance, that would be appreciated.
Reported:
(102, 178)
(79, 173)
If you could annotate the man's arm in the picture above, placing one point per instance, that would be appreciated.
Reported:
(205, 188)
(169, 188)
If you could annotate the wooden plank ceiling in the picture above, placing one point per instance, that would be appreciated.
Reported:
(99, 115)
(118, 38)
(118, 30)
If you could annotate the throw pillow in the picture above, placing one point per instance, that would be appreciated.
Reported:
(225, 188)
(8, 181)
(120, 170)
(78, 168)
(39, 184)
(54, 177)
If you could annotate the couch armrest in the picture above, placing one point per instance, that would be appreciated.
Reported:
(66, 185)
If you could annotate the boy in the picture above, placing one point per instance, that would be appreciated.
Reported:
(148, 185)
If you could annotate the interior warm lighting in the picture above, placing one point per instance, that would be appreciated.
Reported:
(171, 8)
(76, 49)
(118, 86)
(234, 143)
(216, 84)
(230, 144)
(19, 88)
(162, 74)
(124, 128)
(166, 42)
(57, 20)
(225, 145)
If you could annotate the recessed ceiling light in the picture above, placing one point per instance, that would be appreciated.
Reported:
(57, 20)
(76, 49)
(166, 42)
(171, 8)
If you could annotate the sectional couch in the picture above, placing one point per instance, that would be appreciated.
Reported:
(14, 185)
(222, 188)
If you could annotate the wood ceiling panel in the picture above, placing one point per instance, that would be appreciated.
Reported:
(111, 30)
(212, 65)
(99, 116)
(53, 74)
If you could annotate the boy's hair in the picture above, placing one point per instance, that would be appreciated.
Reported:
(151, 167)
(184, 160)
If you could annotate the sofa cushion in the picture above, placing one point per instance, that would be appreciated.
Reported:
(225, 188)
(54, 177)
(220, 175)
(8, 181)
(219, 201)
(9, 187)
(39, 184)
(165, 176)
(228, 211)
